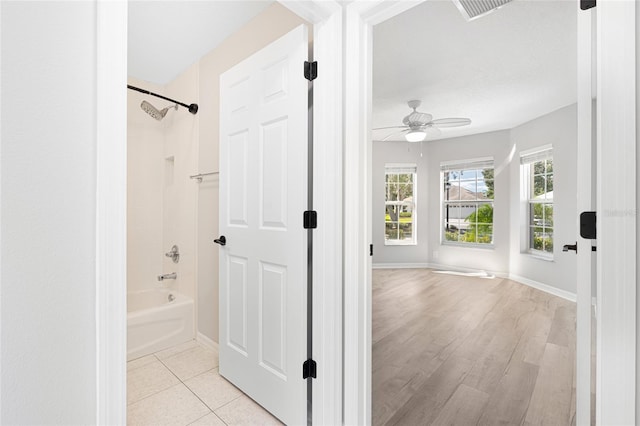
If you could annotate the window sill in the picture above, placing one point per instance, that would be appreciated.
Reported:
(468, 245)
(413, 243)
(539, 256)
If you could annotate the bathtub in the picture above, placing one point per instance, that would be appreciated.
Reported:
(156, 320)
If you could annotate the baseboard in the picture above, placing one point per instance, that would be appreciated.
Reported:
(400, 265)
(544, 287)
(567, 295)
(205, 341)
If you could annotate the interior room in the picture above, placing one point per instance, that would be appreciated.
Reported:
(67, 193)
(473, 199)
(173, 204)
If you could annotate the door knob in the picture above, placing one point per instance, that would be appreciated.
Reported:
(222, 240)
(568, 247)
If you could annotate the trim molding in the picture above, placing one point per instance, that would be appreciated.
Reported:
(567, 295)
(401, 265)
(111, 220)
(205, 341)
(617, 213)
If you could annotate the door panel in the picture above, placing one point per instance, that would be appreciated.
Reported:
(263, 190)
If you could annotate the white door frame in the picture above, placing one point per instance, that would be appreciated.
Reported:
(585, 257)
(617, 214)
(616, 202)
(111, 161)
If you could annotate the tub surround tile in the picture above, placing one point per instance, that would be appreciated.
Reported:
(148, 380)
(174, 350)
(192, 362)
(140, 362)
(244, 411)
(174, 406)
(208, 420)
(213, 389)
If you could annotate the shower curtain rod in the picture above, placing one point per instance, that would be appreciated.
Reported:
(193, 108)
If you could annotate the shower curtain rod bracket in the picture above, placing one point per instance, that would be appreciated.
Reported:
(193, 108)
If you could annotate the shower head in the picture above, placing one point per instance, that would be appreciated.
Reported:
(154, 112)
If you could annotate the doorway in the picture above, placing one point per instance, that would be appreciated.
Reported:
(359, 26)
(327, 38)
(483, 196)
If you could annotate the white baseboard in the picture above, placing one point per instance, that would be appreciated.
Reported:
(401, 265)
(522, 280)
(544, 287)
(205, 341)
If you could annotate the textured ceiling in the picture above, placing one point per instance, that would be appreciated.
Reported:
(501, 70)
(166, 37)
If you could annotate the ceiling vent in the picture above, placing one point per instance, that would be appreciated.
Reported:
(473, 9)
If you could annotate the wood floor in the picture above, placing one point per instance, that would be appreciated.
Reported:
(452, 350)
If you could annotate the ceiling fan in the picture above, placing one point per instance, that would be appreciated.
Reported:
(419, 125)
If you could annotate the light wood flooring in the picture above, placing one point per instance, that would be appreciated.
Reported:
(454, 350)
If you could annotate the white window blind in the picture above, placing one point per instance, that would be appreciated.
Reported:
(534, 157)
(475, 164)
(400, 168)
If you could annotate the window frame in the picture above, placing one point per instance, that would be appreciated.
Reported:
(477, 165)
(399, 169)
(528, 161)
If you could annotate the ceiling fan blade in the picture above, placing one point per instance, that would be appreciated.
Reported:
(432, 131)
(396, 133)
(391, 127)
(451, 122)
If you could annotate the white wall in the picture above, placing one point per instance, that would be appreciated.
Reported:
(268, 26)
(48, 210)
(559, 129)
(145, 165)
(505, 257)
(400, 152)
(180, 193)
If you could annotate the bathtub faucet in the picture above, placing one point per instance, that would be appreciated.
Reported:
(171, 276)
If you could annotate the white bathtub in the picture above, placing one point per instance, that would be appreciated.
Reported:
(154, 323)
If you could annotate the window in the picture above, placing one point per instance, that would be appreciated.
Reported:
(400, 204)
(468, 202)
(537, 173)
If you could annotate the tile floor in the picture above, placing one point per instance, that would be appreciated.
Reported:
(181, 386)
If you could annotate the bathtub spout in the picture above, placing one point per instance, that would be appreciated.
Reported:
(171, 276)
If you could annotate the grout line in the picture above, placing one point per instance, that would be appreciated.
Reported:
(237, 397)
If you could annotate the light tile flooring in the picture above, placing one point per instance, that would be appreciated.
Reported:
(181, 386)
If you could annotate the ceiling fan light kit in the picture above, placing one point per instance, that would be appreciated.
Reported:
(418, 125)
(415, 136)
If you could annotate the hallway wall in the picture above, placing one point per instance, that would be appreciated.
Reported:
(48, 211)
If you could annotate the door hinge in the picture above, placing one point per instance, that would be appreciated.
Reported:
(309, 369)
(370, 249)
(587, 4)
(310, 219)
(588, 225)
(310, 70)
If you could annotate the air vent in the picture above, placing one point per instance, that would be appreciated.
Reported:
(473, 9)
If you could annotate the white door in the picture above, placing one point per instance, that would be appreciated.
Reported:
(263, 194)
